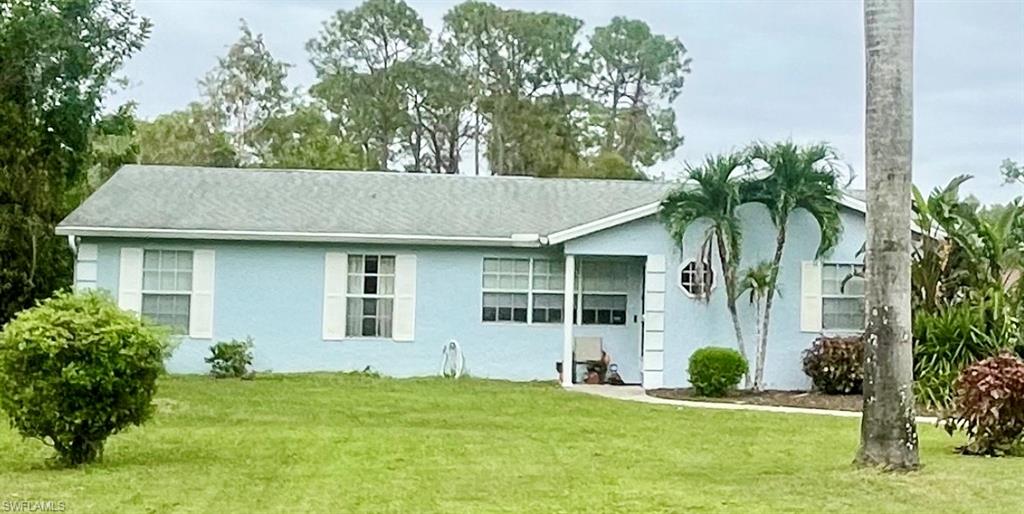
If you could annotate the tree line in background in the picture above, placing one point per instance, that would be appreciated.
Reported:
(57, 60)
(524, 92)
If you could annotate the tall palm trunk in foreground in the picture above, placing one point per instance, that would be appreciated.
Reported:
(888, 431)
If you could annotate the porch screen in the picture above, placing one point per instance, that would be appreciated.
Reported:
(603, 293)
(522, 290)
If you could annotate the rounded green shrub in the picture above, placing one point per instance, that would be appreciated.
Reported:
(75, 370)
(714, 371)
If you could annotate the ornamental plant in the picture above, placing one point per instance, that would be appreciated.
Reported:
(231, 359)
(75, 369)
(836, 364)
(947, 340)
(714, 371)
(988, 406)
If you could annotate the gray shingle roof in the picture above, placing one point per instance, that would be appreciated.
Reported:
(374, 203)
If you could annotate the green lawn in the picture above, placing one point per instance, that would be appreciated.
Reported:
(333, 443)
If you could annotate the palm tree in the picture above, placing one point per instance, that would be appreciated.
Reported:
(888, 436)
(712, 192)
(799, 178)
(996, 246)
(963, 247)
(756, 280)
(942, 220)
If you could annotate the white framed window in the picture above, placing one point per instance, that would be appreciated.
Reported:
(531, 290)
(548, 275)
(547, 308)
(603, 292)
(696, 278)
(167, 288)
(370, 295)
(522, 290)
(506, 286)
(547, 291)
(842, 297)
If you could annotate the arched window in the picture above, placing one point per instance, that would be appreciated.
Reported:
(696, 278)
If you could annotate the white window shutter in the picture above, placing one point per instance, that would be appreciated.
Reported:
(200, 323)
(335, 303)
(403, 321)
(810, 296)
(129, 280)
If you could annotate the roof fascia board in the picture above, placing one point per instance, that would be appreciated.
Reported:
(603, 223)
(862, 207)
(516, 240)
(653, 208)
(853, 203)
(310, 237)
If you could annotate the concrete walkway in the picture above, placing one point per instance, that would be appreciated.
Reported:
(637, 394)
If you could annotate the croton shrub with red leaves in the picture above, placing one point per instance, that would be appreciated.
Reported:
(988, 406)
(836, 364)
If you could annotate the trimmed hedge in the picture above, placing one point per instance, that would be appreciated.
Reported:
(714, 371)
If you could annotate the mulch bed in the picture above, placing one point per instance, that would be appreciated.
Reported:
(805, 399)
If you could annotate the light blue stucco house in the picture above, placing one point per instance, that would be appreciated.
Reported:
(344, 270)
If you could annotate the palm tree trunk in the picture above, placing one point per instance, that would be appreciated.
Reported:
(762, 344)
(888, 436)
(498, 166)
(729, 272)
(757, 316)
(476, 144)
(385, 153)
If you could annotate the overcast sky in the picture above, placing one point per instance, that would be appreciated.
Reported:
(761, 70)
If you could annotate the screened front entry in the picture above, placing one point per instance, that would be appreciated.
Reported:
(608, 302)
